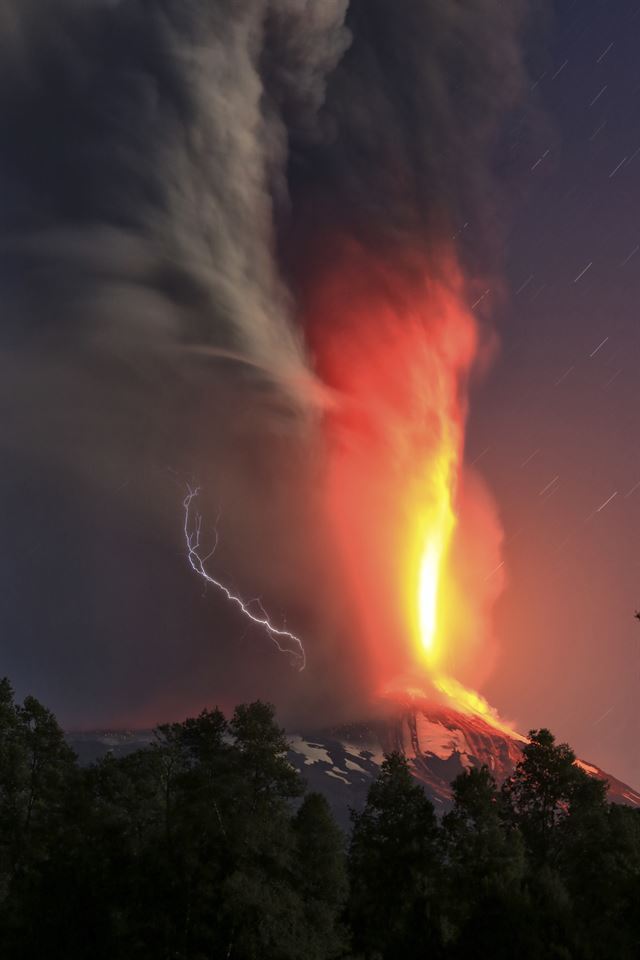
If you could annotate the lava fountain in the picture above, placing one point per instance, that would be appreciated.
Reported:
(397, 347)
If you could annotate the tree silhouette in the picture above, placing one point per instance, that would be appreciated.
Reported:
(395, 867)
(205, 845)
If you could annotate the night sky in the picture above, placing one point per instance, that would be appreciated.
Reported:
(555, 427)
(153, 257)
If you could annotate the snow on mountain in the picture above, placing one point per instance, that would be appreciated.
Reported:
(342, 762)
(438, 742)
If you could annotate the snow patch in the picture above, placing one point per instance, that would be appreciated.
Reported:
(441, 742)
(357, 750)
(310, 752)
(351, 765)
(336, 773)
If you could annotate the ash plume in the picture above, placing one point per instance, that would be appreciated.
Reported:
(141, 155)
(176, 173)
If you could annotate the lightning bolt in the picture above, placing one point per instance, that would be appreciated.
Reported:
(192, 533)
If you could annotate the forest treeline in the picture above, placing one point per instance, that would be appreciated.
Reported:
(206, 845)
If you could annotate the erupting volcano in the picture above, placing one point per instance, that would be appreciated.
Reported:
(397, 343)
(257, 258)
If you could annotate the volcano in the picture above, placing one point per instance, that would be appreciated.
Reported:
(342, 762)
(439, 743)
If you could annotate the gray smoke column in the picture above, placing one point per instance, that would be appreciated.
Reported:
(141, 155)
(172, 172)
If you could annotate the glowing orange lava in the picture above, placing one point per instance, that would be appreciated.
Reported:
(397, 345)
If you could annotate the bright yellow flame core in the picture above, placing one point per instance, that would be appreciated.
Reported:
(434, 579)
(438, 530)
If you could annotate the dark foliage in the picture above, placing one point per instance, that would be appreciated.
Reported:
(205, 846)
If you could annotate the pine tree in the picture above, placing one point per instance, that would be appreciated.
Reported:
(320, 876)
(395, 868)
(545, 789)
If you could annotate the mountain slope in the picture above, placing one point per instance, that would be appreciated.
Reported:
(342, 762)
(438, 742)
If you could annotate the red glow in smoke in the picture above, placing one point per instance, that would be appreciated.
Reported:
(397, 345)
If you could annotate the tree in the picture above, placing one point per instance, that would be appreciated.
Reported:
(545, 789)
(203, 823)
(262, 748)
(600, 862)
(560, 811)
(320, 876)
(486, 865)
(262, 910)
(395, 868)
(35, 766)
(38, 782)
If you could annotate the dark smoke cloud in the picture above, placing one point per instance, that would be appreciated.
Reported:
(170, 170)
(140, 155)
(413, 116)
